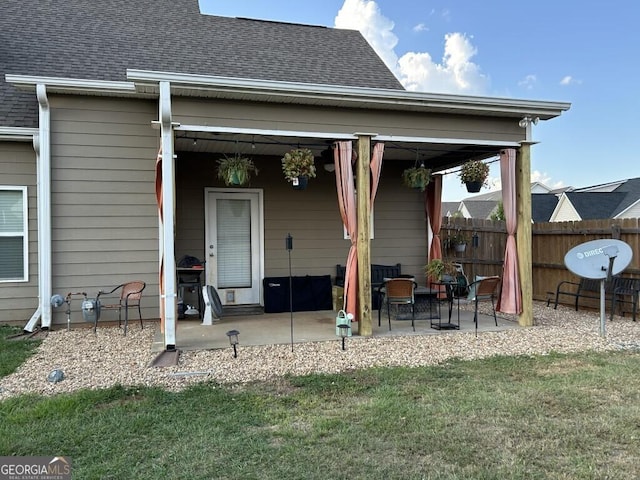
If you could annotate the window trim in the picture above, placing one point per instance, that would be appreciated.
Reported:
(25, 232)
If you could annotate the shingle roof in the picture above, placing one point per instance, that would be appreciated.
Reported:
(90, 39)
(480, 208)
(595, 205)
(632, 190)
(542, 206)
(599, 205)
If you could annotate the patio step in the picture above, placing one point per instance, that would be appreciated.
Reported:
(237, 310)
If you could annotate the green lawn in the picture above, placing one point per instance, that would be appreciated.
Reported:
(546, 417)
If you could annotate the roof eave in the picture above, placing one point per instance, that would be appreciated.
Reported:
(17, 134)
(290, 92)
(72, 85)
(144, 83)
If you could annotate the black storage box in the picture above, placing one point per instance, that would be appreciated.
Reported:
(309, 293)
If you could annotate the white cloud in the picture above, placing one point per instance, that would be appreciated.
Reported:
(365, 16)
(528, 82)
(421, 27)
(417, 71)
(545, 179)
(569, 80)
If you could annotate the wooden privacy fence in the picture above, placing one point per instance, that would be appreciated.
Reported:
(550, 242)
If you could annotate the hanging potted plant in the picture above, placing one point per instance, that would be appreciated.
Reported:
(474, 174)
(458, 241)
(298, 167)
(236, 170)
(417, 177)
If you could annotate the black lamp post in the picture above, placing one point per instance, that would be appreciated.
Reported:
(233, 340)
(344, 332)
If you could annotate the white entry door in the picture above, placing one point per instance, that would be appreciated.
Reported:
(234, 244)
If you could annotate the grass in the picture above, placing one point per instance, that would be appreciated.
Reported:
(546, 417)
(13, 352)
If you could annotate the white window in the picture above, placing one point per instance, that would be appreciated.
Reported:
(13, 234)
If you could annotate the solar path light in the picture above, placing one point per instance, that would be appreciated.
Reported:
(233, 340)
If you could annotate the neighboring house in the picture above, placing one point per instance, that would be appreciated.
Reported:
(478, 208)
(542, 206)
(619, 199)
(91, 90)
(484, 206)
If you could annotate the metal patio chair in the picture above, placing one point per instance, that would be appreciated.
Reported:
(130, 296)
(485, 289)
(399, 291)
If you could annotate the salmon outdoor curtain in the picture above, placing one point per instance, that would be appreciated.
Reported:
(510, 300)
(433, 208)
(343, 155)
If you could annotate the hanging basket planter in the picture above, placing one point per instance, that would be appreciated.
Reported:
(460, 247)
(417, 177)
(296, 164)
(474, 175)
(236, 171)
(300, 183)
(473, 187)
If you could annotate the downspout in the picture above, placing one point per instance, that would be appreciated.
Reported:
(168, 224)
(42, 147)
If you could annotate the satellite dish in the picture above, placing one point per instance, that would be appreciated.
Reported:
(599, 259)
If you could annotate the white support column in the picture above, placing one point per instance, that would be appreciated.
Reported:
(167, 242)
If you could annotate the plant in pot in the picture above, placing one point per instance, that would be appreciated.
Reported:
(236, 170)
(474, 174)
(298, 167)
(458, 241)
(440, 270)
(417, 177)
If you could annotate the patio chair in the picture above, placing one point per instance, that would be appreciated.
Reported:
(130, 296)
(626, 291)
(484, 289)
(399, 291)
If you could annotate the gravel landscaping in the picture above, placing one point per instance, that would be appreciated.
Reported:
(108, 358)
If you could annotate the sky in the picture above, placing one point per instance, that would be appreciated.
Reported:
(585, 52)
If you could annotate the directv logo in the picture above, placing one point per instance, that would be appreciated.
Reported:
(591, 253)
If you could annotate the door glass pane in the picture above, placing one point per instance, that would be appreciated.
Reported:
(234, 243)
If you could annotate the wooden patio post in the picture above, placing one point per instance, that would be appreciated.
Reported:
(523, 234)
(363, 187)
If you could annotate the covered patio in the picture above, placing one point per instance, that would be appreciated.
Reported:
(317, 326)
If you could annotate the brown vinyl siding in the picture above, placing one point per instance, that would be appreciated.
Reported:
(342, 120)
(104, 213)
(311, 216)
(19, 300)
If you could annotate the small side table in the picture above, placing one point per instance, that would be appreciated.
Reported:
(449, 325)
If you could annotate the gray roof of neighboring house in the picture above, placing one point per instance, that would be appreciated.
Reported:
(480, 208)
(100, 40)
(595, 205)
(450, 207)
(542, 206)
(599, 205)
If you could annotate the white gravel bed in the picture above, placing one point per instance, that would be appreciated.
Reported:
(108, 358)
